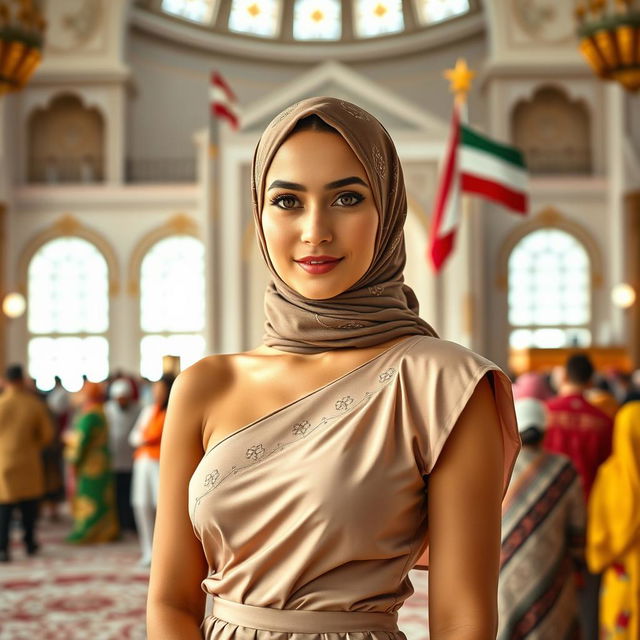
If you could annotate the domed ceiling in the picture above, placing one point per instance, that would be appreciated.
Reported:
(317, 27)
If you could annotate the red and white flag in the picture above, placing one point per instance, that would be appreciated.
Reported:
(223, 100)
(476, 165)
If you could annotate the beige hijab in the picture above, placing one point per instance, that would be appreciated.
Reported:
(377, 308)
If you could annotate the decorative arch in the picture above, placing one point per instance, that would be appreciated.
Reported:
(66, 140)
(550, 218)
(179, 224)
(68, 225)
(553, 130)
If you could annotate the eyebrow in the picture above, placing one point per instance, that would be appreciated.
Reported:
(343, 182)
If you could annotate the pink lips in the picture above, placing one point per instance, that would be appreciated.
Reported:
(318, 264)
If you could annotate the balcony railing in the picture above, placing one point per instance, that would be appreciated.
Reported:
(90, 170)
(160, 170)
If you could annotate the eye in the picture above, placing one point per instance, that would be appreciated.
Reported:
(284, 198)
(352, 198)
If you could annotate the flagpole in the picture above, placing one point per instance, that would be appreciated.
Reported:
(214, 235)
(460, 78)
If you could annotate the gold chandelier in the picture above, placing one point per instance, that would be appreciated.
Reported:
(609, 32)
(21, 37)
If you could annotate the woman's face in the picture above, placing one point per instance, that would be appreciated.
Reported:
(318, 208)
(160, 392)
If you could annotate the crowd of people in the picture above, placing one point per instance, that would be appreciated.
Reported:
(98, 449)
(570, 561)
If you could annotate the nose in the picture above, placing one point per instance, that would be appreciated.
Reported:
(316, 227)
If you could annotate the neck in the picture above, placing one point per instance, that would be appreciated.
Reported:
(572, 389)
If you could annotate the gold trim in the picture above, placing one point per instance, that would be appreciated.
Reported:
(180, 224)
(549, 217)
(69, 225)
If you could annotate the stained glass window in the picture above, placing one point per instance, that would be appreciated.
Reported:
(257, 17)
(317, 20)
(172, 303)
(430, 11)
(68, 313)
(378, 17)
(195, 10)
(549, 291)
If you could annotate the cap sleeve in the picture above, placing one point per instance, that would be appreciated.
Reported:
(444, 377)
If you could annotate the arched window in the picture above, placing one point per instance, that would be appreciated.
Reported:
(378, 17)
(68, 313)
(257, 17)
(172, 312)
(195, 10)
(432, 11)
(317, 20)
(549, 291)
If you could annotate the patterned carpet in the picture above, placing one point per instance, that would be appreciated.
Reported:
(76, 593)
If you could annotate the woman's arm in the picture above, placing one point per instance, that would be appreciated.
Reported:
(465, 497)
(176, 602)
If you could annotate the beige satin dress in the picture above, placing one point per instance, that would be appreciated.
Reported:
(312, 516)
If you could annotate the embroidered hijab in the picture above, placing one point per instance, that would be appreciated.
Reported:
(378, 307)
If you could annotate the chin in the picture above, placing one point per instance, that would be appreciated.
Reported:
(319, 291)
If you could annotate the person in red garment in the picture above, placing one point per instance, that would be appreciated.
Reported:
(583, 433)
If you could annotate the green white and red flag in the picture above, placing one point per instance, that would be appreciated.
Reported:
(476, 165)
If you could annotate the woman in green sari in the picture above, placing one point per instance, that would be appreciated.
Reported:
(93, 505)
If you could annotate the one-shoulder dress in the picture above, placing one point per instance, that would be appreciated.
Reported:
(312, 516)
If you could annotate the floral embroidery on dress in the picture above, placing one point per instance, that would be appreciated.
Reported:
(376, 290)
(211, 478)
(344, 403)
(385, 376)
(300, 428)
(378, 160)
(354, 111)
(255, 452)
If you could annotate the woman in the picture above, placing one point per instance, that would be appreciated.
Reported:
(613, 532)
(145, 436)
(308, 458)
(87, 451)
(543, 527)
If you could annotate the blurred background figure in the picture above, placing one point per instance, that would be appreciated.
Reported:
(121, 412)
(531, 385)
(601, 395)
(613, 538)
(582, 432)
(543, 524)
(58, 402)
(25, 429)
(146, 436)
(87, 450)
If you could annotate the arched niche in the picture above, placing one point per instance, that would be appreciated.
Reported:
(554, 132)
(68, 225)
(65, 142)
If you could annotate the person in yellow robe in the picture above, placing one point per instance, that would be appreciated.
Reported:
(613, 530)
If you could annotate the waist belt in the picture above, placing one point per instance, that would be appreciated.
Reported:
(301, 620)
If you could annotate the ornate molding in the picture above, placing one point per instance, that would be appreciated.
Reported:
(180, 224)
(549, 218)
(65, 226)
